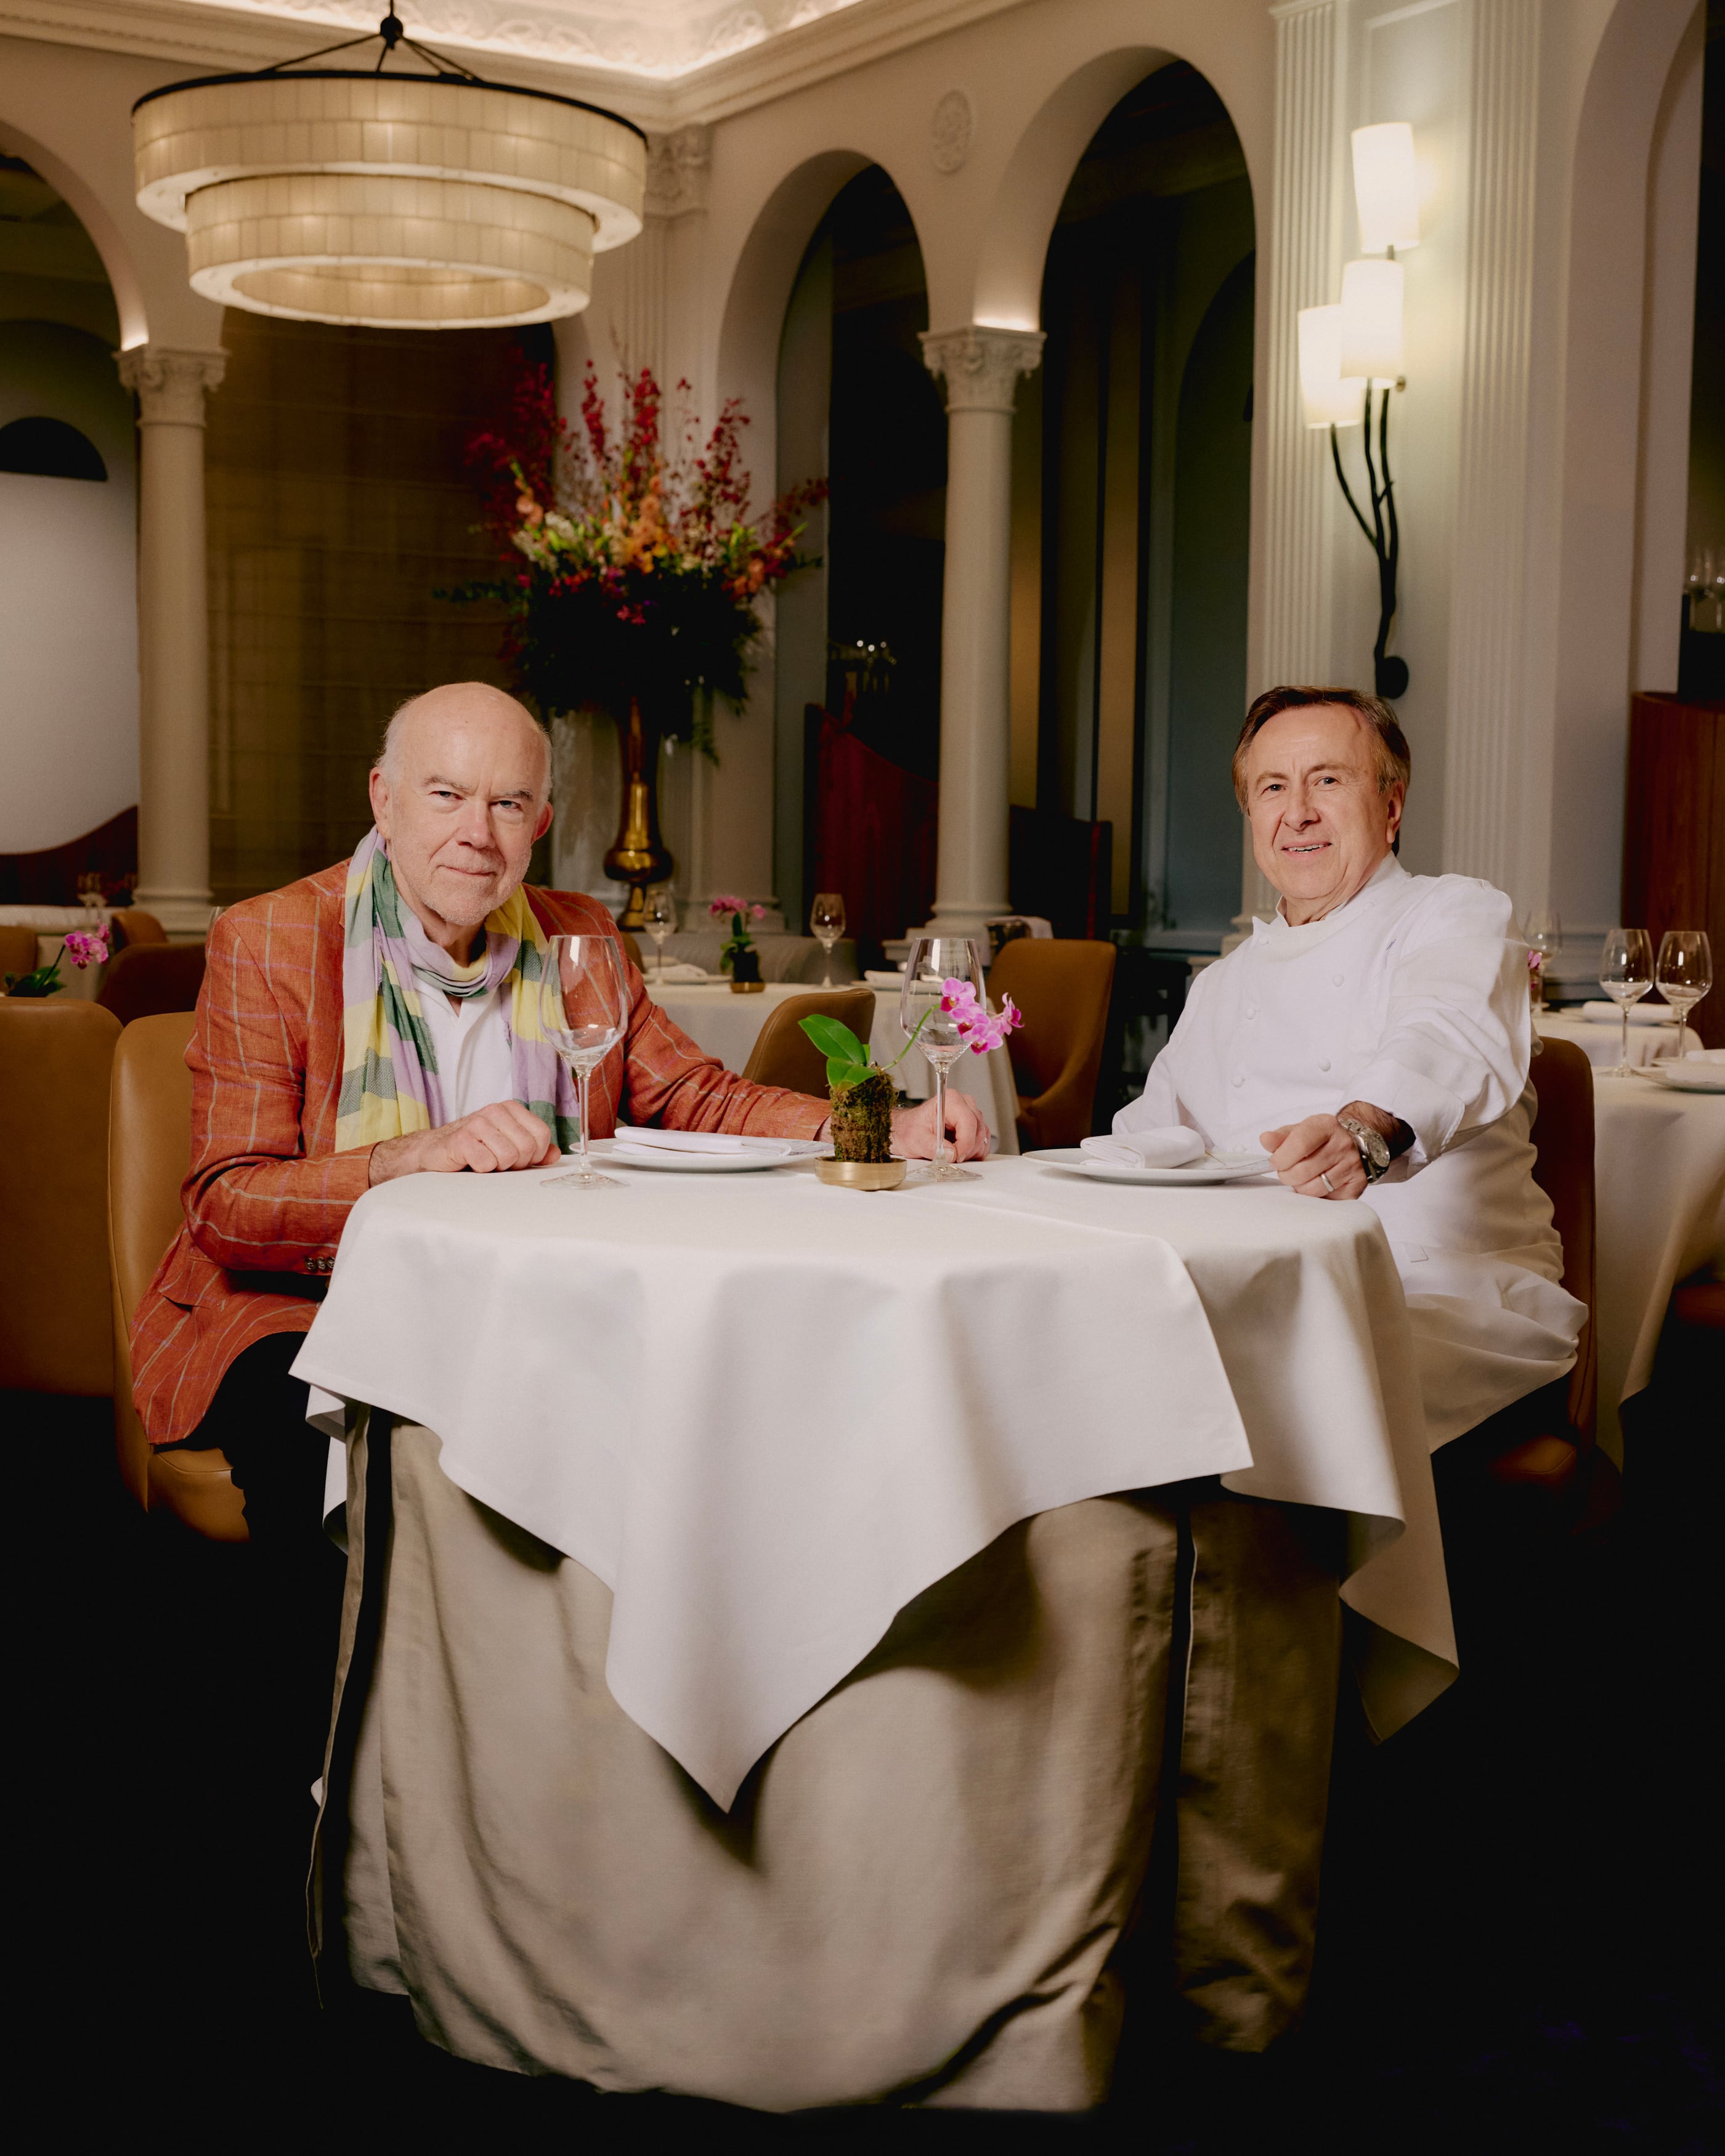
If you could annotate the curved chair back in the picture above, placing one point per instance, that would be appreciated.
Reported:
(149, 1153)
(1563, 1169)
(56, 1058)
(628, 940)
(145, 979)
(132, 925)
(18, 952)
(784, 1054)
(1062, 987)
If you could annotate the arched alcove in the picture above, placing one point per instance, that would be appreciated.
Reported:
(69, 690)
(856, 403)
(1132, 513)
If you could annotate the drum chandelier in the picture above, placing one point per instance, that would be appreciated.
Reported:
(423, 197)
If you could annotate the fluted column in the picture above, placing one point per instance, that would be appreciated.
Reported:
(1304, 257)
(1487, 715)
(174, 634)
(980, 367)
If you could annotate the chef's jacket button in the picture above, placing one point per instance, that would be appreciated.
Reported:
(1337, 979)
(1251, 1010)
(1240, 1078)
(1323, 1062)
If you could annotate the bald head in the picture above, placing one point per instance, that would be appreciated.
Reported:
(460, 791)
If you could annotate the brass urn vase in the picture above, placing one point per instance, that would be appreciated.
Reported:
(638, 856)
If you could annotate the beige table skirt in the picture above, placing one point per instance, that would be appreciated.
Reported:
(919, 1893)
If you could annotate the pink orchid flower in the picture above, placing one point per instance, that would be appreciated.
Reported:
(87, 947)
(718, 908)
(979, 1028)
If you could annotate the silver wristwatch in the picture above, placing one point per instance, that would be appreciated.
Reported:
(1374, 1150)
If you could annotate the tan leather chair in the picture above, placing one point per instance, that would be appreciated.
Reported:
(785, 1055)
(1549, 1458)
(145, 979)
(18, 953)
(149, 1151)
(56, 1055)
(1062, 989)
(132, 925)
(632, 947)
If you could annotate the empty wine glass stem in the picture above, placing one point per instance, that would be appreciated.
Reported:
(1623, 1059)
(581, 1080)
(940, 1116)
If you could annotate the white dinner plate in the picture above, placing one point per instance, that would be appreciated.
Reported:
(1681, 1078)
(665, 1160)
(1213, 1168)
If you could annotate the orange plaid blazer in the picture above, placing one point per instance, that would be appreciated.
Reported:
(267, 1195)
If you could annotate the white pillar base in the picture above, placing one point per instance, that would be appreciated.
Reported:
(184, 914)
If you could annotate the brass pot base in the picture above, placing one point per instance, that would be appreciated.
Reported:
(861, 1174)
(748, 988)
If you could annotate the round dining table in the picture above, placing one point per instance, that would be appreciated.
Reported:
(765, 1674)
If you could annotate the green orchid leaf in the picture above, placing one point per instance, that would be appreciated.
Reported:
(834, 1038)
(839, 1072)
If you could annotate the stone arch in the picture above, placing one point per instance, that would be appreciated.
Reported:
(94, 215)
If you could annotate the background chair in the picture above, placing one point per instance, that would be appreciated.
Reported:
(131, 925)
(149, 1151)
(18, 952)
(145, 979)
(629, 944)
(56, 1058)
(785, 1055)
(1062, 989)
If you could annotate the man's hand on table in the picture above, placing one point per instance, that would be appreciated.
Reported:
(504, 1136)
(1316, 1158)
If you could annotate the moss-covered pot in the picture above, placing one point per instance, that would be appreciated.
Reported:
(862, 1118)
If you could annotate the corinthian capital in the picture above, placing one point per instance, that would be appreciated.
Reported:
(981, 366)
(678, 167)
(171, 385)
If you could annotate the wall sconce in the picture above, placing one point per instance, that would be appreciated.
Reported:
(1349, 351)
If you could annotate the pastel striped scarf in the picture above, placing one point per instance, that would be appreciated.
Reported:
(390, 1076)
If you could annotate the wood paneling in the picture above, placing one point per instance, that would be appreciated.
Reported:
(1673, 831)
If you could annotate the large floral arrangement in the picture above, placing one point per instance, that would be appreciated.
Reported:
(629, 563)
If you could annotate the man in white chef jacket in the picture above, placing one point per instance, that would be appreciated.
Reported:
(1375, 1039)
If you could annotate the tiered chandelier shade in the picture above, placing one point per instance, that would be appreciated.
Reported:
(399, 202)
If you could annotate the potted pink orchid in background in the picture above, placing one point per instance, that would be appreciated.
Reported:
(738, 956)
(83, 946)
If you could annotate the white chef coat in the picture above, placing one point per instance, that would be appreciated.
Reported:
(470, 1039)
(1412, 997)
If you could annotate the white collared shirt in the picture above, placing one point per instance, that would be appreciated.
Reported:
(472, 1040)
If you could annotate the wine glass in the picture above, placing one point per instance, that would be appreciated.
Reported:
(1684, 972)
(826, 921)
(1545, 935)
(945, 958)
(583, 1013)
(660, 920)
(1626, 974)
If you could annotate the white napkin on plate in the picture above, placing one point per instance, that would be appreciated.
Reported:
(1712, 1055)
(1173, 1146)
(878, 977)
(1639, 1013)
(711, 1142)
(681, 972)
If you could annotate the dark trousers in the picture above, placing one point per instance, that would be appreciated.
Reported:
(257, 1420)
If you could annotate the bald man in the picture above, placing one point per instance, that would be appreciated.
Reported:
(288, 1133)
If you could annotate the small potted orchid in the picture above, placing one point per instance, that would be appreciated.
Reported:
(863, 1094)
(83, 946)
(738, 956)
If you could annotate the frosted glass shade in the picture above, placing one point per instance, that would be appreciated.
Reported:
(1330, 398)
(1371, 320)
(396, 201)
(1386, 187)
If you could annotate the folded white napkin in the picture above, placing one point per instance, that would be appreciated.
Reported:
(1703, 1056)
(711, 1142)
(680, 971)
(1639, 1013)
(879, 977)
(1173, 1146)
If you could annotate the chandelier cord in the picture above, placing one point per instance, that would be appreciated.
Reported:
(392, 33)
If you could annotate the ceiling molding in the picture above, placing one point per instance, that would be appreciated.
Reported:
(197, 36)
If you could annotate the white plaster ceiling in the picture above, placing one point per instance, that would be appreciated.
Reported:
(662, 38)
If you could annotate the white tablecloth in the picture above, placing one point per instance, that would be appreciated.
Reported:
(1659, 1179)
(728, 1025)
(1600, 1041)
(768, 1414)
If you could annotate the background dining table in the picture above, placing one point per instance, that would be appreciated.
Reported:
(1651, 1039)
(726, 1024)
(713, 1435)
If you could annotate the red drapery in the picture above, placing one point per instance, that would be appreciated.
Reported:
(874, 828)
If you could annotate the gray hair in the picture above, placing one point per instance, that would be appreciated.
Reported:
(387, 759)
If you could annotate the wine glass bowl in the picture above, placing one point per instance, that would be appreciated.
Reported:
(932, 961)
(1544, 933)
(1626, 974)
(660, 920)
(826, 924)
(583, 1013)
(1684, 972)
